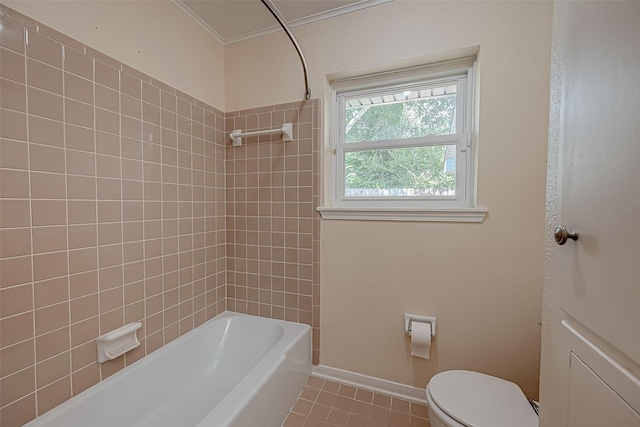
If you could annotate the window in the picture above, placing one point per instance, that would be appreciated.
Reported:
(401, 145)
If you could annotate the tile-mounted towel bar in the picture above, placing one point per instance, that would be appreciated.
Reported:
(286, 130)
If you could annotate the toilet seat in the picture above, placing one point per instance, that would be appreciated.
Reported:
(478, 400)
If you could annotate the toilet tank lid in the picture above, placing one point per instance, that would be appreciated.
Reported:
(479, 400)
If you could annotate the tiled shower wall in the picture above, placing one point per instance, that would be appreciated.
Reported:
(273, 228)
(112, 210)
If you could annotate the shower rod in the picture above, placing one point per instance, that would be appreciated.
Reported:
(276, 14)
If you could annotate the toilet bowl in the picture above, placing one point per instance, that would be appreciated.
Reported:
(472, 399)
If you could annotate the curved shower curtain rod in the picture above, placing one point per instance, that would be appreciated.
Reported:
(276, 14)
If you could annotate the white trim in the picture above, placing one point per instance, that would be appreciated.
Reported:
(363, 4)
(378, 385)
(405, 214)
(458, 208)
(184, 8)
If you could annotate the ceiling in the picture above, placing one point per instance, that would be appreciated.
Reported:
(231, 21)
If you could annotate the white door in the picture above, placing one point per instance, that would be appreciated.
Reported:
(596, 279)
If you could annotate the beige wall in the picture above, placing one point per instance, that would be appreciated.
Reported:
(482, 281)
(154, 37)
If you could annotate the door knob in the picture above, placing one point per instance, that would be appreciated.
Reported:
(560, 234)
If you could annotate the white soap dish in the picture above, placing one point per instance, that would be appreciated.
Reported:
(118, 342)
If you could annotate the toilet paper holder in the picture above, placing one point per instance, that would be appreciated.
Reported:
(410, 318)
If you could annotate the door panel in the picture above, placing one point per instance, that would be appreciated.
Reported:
(592, 378)
(592, 403)
(599, 275)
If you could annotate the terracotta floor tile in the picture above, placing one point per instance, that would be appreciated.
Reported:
(347, 391)
(330, 404)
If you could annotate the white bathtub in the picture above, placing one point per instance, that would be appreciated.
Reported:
(234, 370)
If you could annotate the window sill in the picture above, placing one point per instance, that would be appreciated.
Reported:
(404, 214)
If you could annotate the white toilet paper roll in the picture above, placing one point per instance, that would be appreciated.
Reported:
(420, 339)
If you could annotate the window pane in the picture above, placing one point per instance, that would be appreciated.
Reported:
(401, 172)
(399, 115)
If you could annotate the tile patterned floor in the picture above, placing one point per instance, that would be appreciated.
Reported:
(329, 404)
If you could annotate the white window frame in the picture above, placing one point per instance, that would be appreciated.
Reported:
(458, 208)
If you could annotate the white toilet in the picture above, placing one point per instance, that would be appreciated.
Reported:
(472, 399)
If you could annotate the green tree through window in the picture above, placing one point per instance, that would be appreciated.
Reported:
(408, 171)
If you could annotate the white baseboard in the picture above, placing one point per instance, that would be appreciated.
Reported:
(390, 388)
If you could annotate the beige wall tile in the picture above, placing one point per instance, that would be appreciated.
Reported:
(109, 189)
(16, 386)
(80, 163)
(49, 265)
(14, 95)
(16, 329)
(54, 394)
(151, 113)
(130, 106)
(85, 378)
(44, 76)
(110, 255)
(107, 98)
(48, 186)
(78, 113)
(49, 239)
(134, 292)
(109, 211)
(150, 94)
(45, 131)
(15, 213)
(81, 260)
(111, 320)
(14, 154)
(84, 308)
(16, 300)
(13, 65)
(109, 233)
(107, 143)
(45, 104)
(131, 86)
(108, 166)
(52, 291)
(12, 35)
(15, 242)
(78, 88)
(82, 332)
(16, 357)
(48, 212)
(83, 284)
(15, 271)
(78, 63)
(81, 212)
(80, 138)
(50, 318)
(19, 412)
(53, 369)
(52, 343)
(46, 159)
(82, 236)
(14, 184)
(111, 300)
(107, 121)
(44, 49)
(110, 277)
(133, 272)
(107, 76)
(14, 125)
(79, 187)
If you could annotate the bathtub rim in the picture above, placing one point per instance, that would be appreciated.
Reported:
(294, 328)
